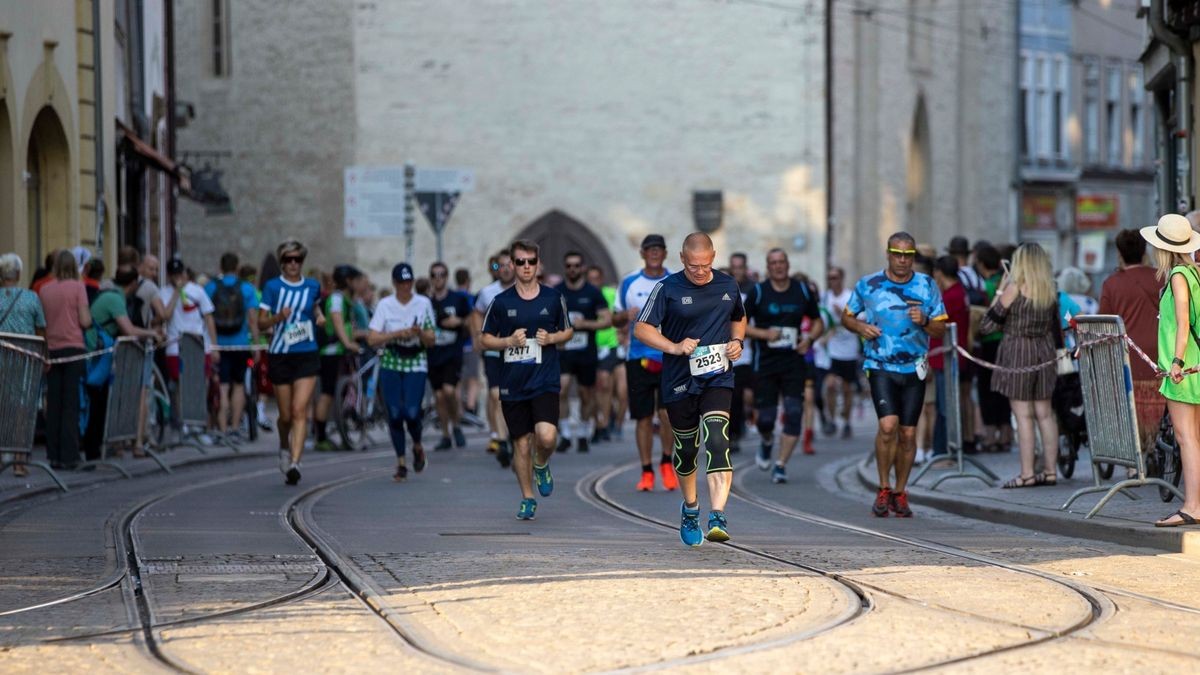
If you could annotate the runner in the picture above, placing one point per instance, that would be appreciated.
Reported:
(644, 364)
(901, 309)
(233, 301)
(502, 268)
(696, 318)
(451, 311)
(289, 304)
(610, 364)
(526, 321)
(403, 323)
(778, 308)
(843, 348)
(743, 366)
(340, 340)
(589, 313)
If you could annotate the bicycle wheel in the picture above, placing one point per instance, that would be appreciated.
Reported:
(347, 415)
(1068, 453)
(1170, 469)
(1106, 470)
(251, 409)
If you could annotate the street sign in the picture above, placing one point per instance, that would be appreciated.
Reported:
(437, 207)
(444, 180)
(374, 201)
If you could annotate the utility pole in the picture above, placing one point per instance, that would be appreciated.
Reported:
(409, 175)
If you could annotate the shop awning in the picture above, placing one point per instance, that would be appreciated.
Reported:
(147, 152)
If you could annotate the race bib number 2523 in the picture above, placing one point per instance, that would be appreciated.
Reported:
(708, 359)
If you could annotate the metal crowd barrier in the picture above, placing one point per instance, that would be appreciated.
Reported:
(952, 405)
(192, 392)
(131, 361)
(1108, 407)
(20, 396)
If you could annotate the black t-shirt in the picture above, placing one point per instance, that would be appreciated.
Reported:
(525, 379)
(584, 303)
(769, 308)
(681, 309)
(448, 342)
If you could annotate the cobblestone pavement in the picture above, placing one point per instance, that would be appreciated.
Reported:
(448, 580)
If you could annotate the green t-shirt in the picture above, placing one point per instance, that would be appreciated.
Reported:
(105, 309)
(337, 302)
(607, 338)
(991, 285)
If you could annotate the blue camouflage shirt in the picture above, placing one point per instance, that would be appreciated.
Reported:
(885, 304)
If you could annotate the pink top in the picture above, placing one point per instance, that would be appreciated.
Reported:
(61, 301)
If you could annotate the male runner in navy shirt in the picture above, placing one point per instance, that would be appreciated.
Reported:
(525, 323)
(589, 313)
(696, 318)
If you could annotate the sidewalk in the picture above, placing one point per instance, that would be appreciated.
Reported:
(1122, 521)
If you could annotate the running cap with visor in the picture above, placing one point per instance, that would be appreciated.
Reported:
(653, 240)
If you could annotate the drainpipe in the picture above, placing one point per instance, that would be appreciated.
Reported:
(1183, 94)
(98, 107)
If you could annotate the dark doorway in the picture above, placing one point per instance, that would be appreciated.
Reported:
(557, 233)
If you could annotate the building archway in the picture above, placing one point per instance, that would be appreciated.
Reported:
(556, 233)
(8, 235)
(919, 205)
(48, 182)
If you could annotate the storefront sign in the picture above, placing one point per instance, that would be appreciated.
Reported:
(1038, 212)
(1096, 212)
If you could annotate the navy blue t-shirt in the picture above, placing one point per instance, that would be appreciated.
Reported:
(508, 312)
(583, 303)
(769, 308)
(681, 309)
(448, 342)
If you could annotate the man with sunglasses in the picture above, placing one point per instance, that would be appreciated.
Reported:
(843, 348)
(696, 318)
(589, 313)
(900, 309)
(778, 308)
(643, 366)
(501, 269)
(527, 322)
(451, 312)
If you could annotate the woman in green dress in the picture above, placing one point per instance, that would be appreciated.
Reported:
(1174, 244)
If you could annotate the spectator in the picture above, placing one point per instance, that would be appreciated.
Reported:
(146, 308)
(967, 276)
(189, 310)
(93, 272)
(954, 296)
(65, 303)
(1025, 309)
(1077, 284)
(994, 410)
(45, 273)
(110, 315)
(233, 302)
(20, 314)
(1175, 245)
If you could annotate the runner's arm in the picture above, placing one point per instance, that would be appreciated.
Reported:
(650, 336)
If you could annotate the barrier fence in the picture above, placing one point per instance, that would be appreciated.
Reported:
(1108, 408)
(124, 416)
(20, 398)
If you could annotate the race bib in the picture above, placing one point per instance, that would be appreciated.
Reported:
(787, 338)
(922, 368)
(708, 359)
(577, 342)
(295, 333)
(445, 338)
(530, 353)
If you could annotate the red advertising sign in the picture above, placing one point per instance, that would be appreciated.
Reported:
(1096, 212)
(1038, 212)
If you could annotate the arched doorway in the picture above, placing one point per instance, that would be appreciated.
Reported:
(919, 206)
(48, 180)
(8, 235)
(556, 233)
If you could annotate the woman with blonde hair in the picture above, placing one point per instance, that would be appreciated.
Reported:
(1174, 244)
(1025, 310)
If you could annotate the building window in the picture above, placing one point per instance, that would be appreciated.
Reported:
(1026, 105)
(1112, 112)
(1058, 112)
(1091, 113)
(221, 51)
(1044, 107)
(1137, 122)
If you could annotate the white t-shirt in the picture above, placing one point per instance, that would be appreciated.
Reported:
(188, 317)
(484, 300)
(842, 345)
(390, 316)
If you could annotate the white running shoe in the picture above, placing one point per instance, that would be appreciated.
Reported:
(285, 461)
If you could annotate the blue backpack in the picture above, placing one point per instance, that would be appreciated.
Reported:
(100, 368)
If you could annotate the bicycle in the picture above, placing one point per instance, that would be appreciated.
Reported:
(250, 413)
(1163, 461)
(358, 405)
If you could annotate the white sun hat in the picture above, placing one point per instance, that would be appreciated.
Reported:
(1172, 233)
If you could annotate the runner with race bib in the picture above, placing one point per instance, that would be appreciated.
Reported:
(589, 313)
(696, 318)
(525, 324)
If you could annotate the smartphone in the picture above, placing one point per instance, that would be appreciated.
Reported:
(1005, 266)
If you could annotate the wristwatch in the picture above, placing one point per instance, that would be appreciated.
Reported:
(1177, 362)
(741, 342)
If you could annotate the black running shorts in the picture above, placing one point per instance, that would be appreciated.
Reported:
(643, 387)
(284, 369)
(897, 395)
(445, 374)
(687, 411)
(581, 364)
(770, 386)
(522, 416)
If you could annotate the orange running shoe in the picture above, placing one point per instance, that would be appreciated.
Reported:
(669, 480)
(493, 446)
(646, 484)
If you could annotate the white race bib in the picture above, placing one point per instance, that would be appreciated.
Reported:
(295, 333)
(445, 338)
(530, 353)
(708, 359)
(922, 368)
(787, 338)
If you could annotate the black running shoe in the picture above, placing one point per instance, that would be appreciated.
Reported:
(503, 454)
(293, 475)
(459, 439)
(563, 445)
(443, 444)
(418, 458)
(582, 445)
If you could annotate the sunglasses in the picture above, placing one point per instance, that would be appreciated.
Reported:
(438, 275)
(289, 259)
(522, 262)
(903, 252)
(572, 266)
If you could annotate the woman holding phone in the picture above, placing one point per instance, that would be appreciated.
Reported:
(1025, 310)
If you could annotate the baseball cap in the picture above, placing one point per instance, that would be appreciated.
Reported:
(175, 266)
(343, 273)
(652, 240)
(402, 272)
(958, 246)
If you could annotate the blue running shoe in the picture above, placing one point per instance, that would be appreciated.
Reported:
(718, 529)
(778, 474)
(527, 510)
(689, 526)
(545, 482)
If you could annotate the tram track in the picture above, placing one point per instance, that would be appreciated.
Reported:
(592, 489)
